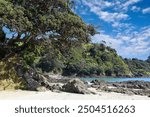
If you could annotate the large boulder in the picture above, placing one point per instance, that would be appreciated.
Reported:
(76, 86)
(33, 79)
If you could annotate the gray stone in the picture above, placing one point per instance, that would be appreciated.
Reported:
(95, 86)
(76, 86)
(99, 84)
(32, 78)
(41, 89)
(133, 84)
(119, 90)
(55, 87)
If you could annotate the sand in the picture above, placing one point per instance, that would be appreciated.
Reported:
(48, 95)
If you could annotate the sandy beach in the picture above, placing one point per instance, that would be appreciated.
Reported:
(48, 95)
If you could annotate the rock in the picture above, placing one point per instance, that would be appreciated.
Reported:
(99, 84)
(41, 89)
(54, 79)
(120, 90)
(76, 86)
(133, 84)
(128, 91)
(56, 87)
(95, 86)
(128, 87)
(32, 78)
(85, 82)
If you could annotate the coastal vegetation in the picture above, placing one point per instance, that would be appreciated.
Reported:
(48, 37)
(138, 67)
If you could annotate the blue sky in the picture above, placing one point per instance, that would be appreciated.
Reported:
(124, 24)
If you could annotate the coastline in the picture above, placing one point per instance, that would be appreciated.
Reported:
(95, 76)
(72, 88)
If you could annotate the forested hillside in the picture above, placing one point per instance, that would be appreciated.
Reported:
(139, 67)
(86, 60)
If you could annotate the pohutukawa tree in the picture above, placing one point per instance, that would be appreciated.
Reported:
(35, 18)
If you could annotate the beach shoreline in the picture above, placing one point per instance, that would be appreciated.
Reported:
(48, 95)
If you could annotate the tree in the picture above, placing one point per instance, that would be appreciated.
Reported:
(148, 59)
(2, 36)
(109, 72)
(2, 40)
(35, 18)
(105, 57)
(119, 70)
(138, 67)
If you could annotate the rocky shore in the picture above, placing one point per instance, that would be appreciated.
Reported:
(35, 81)
(74, 85)
(75, 89)
(128, 87)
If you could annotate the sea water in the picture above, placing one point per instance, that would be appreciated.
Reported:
(89, 79)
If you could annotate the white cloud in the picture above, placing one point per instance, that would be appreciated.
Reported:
(102, 4)
(113, 42)
(110, 17)
(146, 10)
(116, 5)
(127, 40)
(135, 8)
(98, 7)
(129, 3)
(107, 4)
(113, 12)
(132, 44)
(120, 25)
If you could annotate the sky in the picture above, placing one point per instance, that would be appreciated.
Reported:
(123, 24)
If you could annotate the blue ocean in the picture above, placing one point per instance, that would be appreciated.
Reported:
(89, 79)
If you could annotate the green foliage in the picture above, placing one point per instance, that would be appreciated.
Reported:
(13, 16)
(8, 75)
(51, 63)
(138, 67)
(51, 59)
(32, 54)
(46, 20)
(148, 59)
(95, 59)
